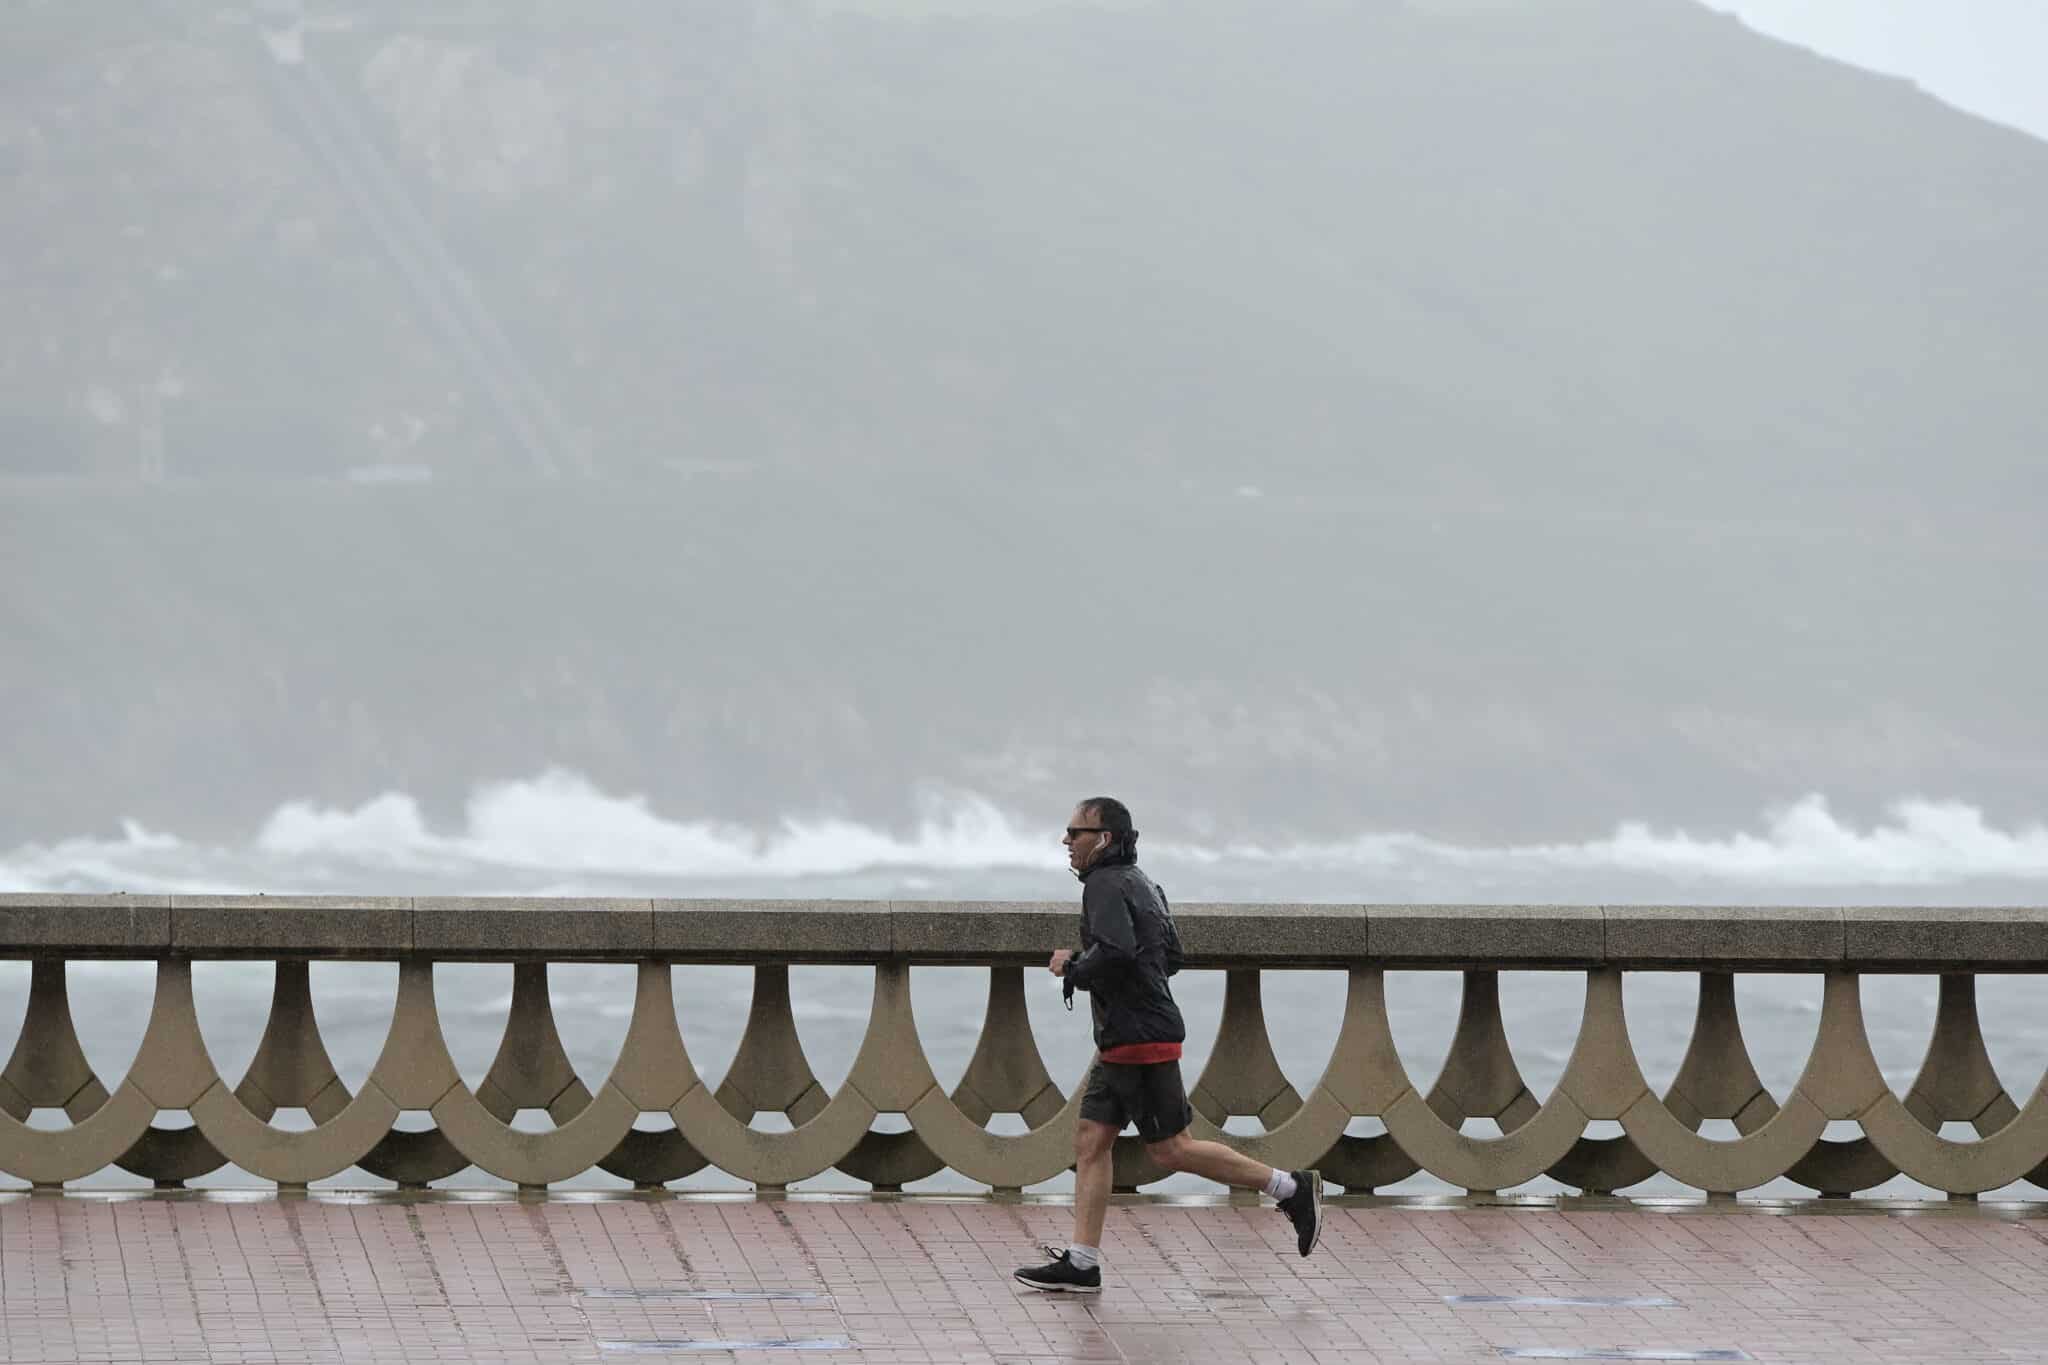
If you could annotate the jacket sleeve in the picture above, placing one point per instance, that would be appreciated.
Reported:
(1115, 938)
(1176, 956)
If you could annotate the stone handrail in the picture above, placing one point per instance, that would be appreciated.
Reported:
(890, 1075)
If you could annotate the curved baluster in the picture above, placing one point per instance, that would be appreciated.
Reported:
(1480, 1079)
(593, 1126)
(171, 1070)
(1955, 1081)
(1717, 1079)
(890, 1074)
(2005, 1154)
(654, 1070)
(1365, 1077)
(1006, 1074)
(1602, 1086)
(531, 1068)
(48, 1070)
(769, 1074)
(1839, 1167)
(1243, 1077)
(244, 1137)
(1480, 1074)
(291, 1069)
(1008, 1071)
(414, 1069)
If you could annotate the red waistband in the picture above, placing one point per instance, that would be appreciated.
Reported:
(1140, 1054)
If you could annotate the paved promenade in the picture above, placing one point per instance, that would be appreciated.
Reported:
(495, 1278)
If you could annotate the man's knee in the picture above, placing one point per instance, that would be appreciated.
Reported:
(1092, 1140)
(1169, 1154)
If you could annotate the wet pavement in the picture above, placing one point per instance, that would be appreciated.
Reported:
(496, 1277)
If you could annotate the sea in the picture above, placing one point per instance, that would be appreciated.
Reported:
(558, 834)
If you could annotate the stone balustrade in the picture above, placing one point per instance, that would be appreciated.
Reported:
(1591, 948)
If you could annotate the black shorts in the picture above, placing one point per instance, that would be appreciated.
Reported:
(1148, 1094)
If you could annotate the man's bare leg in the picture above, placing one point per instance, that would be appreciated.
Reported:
(1213, 1160)
(1077, 1268)
(1093, 1168)
(1300, 1192)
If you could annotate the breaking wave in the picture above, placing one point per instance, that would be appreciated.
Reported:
(1803, 844)
(558, 833)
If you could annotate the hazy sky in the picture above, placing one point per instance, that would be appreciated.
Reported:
(1986, 56)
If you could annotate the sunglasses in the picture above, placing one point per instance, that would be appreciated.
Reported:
(1072, 830)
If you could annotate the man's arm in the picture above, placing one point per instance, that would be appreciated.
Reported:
(1176, 957)
(1115, 937)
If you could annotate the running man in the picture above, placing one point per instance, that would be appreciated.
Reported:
(1128, 948)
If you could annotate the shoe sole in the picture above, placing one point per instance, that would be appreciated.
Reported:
(1315, 1201)
(1058, 1288)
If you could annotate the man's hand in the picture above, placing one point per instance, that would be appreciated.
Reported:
(1058, 965)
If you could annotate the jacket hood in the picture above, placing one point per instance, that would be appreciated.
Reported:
(1123, 853)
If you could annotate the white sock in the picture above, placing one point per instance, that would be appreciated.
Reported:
(1084, 1258)
(1281, 1186)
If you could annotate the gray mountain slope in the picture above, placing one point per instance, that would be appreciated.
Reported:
(1616, 239)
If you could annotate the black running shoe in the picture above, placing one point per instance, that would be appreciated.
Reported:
(1304, 1209)
(1062, 1276)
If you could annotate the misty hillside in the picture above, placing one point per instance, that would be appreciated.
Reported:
(1261, 667)
(1438, 245)
(1494, 419)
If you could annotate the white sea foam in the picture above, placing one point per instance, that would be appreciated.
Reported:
(1923, 842)
(1803, 844)
(558, 832)
(554, 832)
(560, 822)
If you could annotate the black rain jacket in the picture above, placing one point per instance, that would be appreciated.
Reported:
(1128, 948)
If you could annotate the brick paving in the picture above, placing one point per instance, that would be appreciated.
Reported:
(454, 1277)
